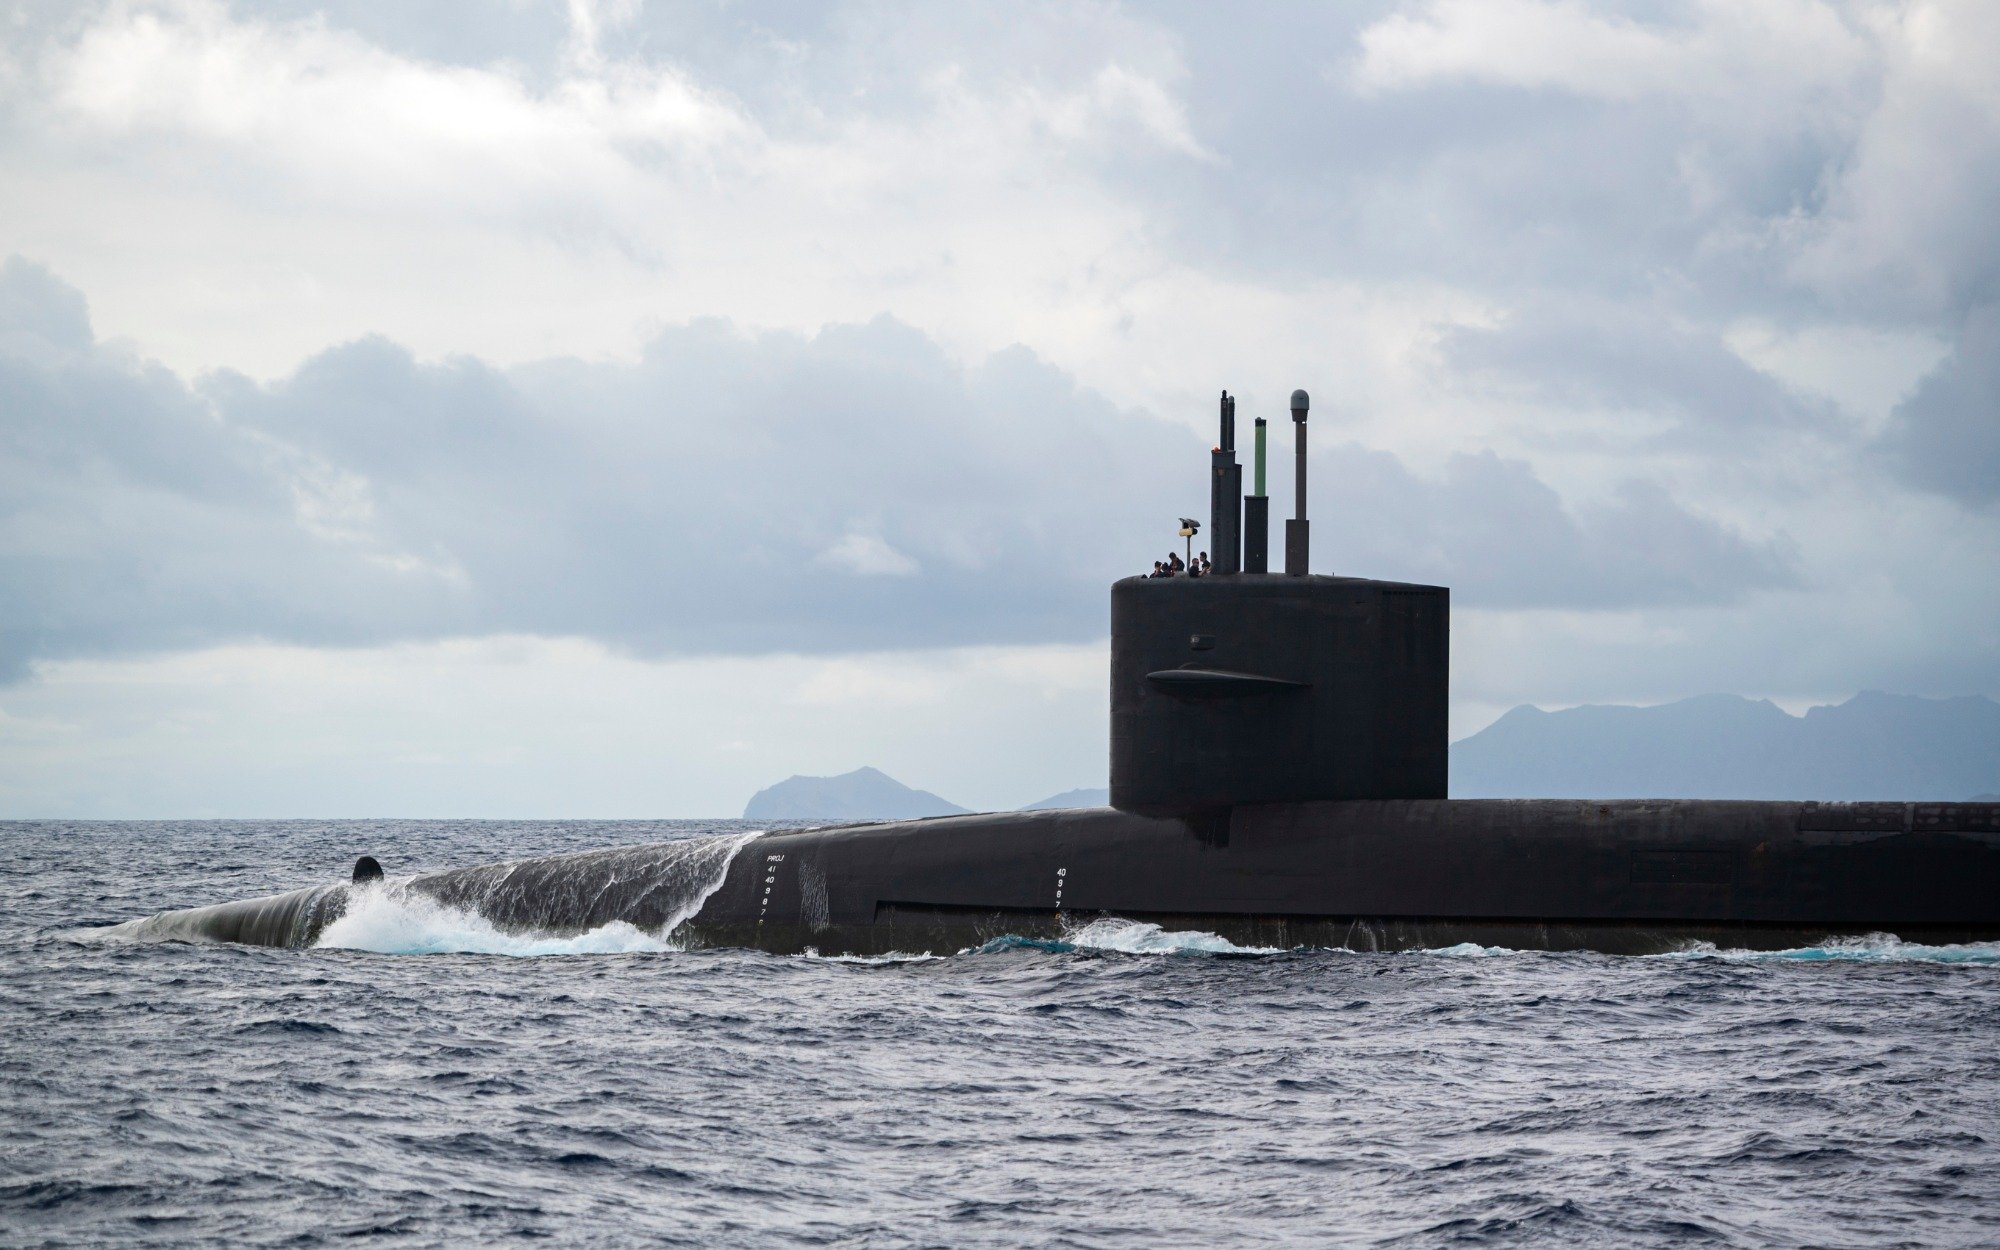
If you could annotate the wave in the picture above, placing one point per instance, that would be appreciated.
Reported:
(889, 957)
(1136, 938)
(1470, 950)
(1874, 948)
(1125, 937)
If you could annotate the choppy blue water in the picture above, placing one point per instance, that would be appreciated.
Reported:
(1125, 1088)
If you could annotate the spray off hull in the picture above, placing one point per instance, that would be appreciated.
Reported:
(654, 888)
(1618, 876)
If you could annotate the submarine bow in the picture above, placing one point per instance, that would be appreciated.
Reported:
(655, 888)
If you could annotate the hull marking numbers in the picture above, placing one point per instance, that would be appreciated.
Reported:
(771, 863)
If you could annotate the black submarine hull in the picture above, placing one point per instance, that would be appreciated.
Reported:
(1616, 876)
(1620, 876)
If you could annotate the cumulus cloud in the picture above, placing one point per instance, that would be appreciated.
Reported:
(730, 492)
(137, 517)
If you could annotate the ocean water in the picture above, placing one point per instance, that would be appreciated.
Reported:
(422, 1079)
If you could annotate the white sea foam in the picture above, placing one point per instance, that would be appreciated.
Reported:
(1469, 950)
(890, 957)
(1132, 937)
(1125, 937)
(393, 920)
(1874, 948)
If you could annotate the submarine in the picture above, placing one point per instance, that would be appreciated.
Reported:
(1278, 778)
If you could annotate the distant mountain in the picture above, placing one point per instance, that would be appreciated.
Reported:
(1072, 798)
(864, 794)
(1874, 746)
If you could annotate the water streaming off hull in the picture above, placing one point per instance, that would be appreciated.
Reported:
(654, 888)
(596, 901)
(632, 899)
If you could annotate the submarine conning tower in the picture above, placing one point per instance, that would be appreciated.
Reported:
(1246, 686)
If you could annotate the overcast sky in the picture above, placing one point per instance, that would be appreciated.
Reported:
(608, 409)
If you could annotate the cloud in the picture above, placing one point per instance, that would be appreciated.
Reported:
(340, 118)
(1662, 153)
(1903, 225)
(1123, 191)
(595, 145)
(867, 556)
(730, 492)
(137, 518)
(1946, 436)
(1666, 378)
(350, 173)
(1792, 158)
(1501, 538)
(1714, 50)
(42, 319)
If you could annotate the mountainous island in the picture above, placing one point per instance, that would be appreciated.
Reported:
(864, 794)
(1719, 746)
(870, 794)
(1100, 797)
(1874, 746)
